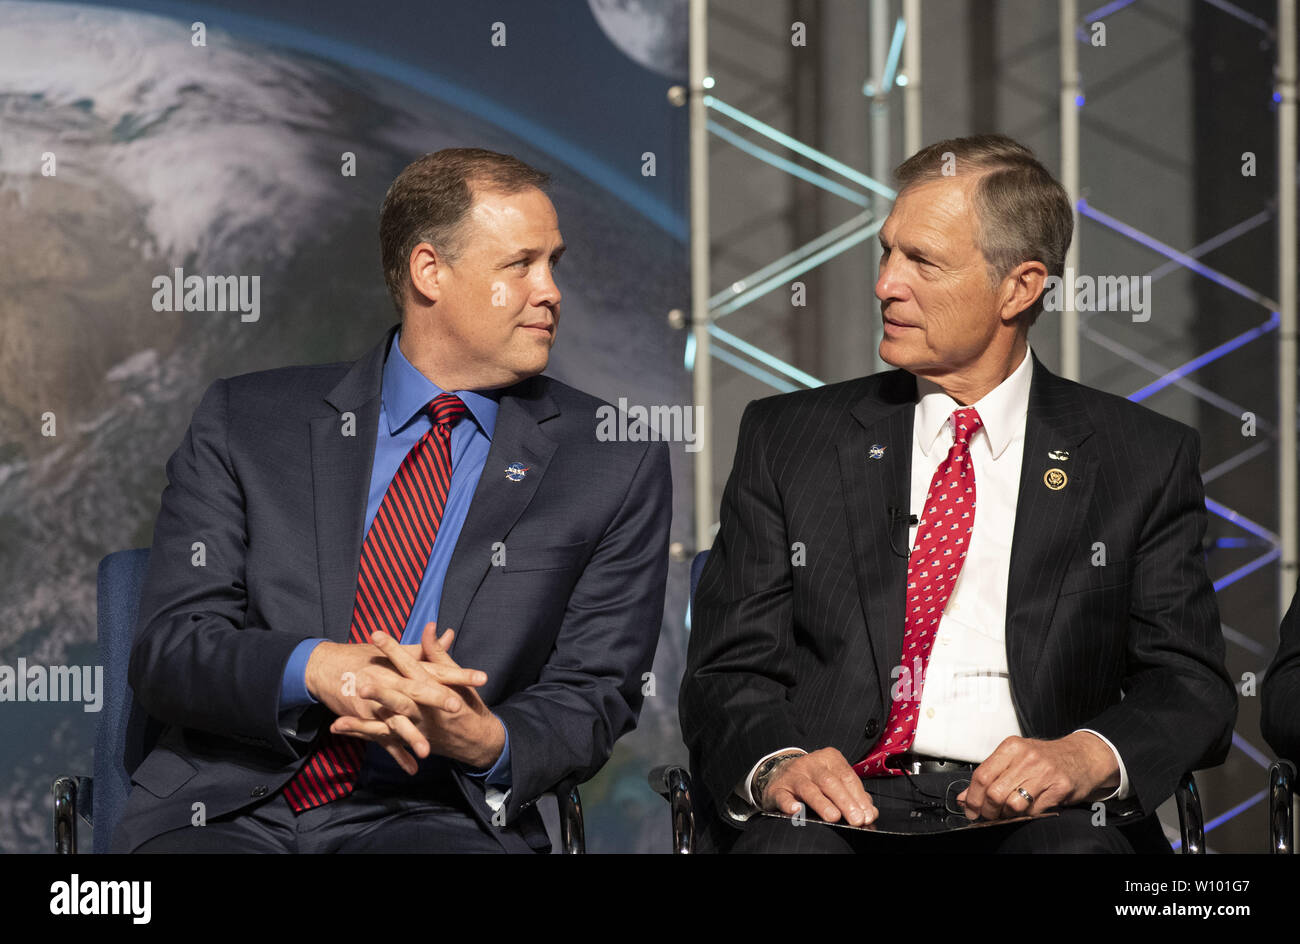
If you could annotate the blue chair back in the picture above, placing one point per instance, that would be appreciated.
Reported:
(125, 733)
(697, 568)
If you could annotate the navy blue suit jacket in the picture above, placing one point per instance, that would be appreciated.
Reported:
(275, 492)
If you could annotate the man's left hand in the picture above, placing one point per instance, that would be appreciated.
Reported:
(472, 734)
(1073, 769)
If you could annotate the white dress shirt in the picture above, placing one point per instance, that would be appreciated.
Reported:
(966, 709)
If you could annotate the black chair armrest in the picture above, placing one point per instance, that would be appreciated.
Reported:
(73, 799)
(673, 783)
(1281, 824)
(573, 834)
(1191, 823)
(65, 815)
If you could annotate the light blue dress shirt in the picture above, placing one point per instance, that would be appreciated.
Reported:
(405, 393)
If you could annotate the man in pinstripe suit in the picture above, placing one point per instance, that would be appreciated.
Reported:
(1076, 661)
(1279, 696)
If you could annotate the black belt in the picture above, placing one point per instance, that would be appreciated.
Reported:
(921, 764)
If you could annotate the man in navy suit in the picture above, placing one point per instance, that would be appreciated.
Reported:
(522, 658)
(1073, 663)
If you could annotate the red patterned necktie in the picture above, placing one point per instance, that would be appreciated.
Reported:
(393, 559)
(943, 538)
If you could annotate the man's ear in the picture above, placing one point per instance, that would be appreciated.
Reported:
(1021, 288)
(425, 266)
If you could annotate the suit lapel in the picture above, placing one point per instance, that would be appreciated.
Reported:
(871, 485)
(340, 468)
(1048, 520)
(498, 500)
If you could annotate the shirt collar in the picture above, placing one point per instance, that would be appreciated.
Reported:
(1002, 409)
(406, 392)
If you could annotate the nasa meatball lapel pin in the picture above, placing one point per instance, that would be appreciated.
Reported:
(877, 451)
(516, 471)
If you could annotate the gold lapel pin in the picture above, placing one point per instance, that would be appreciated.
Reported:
(1055, 479)
(1058, 455)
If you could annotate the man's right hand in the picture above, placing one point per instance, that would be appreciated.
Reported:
(822, 781)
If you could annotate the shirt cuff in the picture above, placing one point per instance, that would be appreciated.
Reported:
(293, 685)
(1122, 792)
(745, 790)
(498, 775)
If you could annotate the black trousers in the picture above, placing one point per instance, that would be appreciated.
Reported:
(1072, 831)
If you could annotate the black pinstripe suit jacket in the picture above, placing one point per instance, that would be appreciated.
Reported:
(784, 654)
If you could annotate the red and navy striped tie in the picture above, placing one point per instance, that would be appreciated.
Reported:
(393, 559)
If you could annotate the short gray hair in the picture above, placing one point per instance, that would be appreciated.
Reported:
(1022, 212)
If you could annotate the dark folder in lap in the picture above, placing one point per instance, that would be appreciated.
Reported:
(902, 822)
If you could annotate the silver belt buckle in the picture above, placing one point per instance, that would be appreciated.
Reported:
(913, 767)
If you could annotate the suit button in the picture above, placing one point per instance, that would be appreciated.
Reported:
(872, 728)
(259, 791)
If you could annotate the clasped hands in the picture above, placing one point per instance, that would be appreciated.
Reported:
(408, 699)
(1063, 772)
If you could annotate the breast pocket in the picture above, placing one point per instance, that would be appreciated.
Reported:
(540, 557)
(1090, 579)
